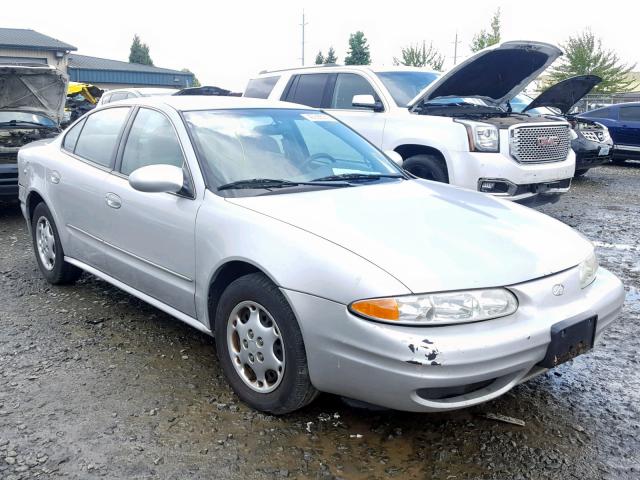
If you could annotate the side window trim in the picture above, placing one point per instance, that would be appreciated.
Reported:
(125, 137)
(287, 89)
(83, 121)
(113, 155)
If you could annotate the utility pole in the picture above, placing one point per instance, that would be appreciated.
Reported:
(303, 25)
(455, 49)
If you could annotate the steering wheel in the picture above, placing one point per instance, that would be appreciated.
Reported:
(314, 158)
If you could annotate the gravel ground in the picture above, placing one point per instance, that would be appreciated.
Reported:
(94, 383)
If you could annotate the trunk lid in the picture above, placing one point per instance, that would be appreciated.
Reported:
(494, 75)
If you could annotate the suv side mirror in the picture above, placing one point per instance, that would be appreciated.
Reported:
(394, 156)
(367, 101)
(157, 179)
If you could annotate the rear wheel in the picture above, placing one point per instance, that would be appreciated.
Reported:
(48, 249)
(260, 346)
(427, 166)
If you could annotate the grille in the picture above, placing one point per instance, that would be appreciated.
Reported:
(8, 157)
(593, 136)
(540, 144)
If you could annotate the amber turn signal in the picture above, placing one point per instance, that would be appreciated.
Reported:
(380, 308)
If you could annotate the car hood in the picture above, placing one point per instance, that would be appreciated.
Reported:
(35, 89)
(565, 94)
(495, 74)
(429, 236)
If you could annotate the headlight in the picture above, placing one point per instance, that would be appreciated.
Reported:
(482, 136)
(438, 308)
(605, 133)
(588, 270)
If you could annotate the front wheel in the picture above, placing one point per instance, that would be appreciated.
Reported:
(429, 167)
(581, 172)
(48, 249)
(260, 346)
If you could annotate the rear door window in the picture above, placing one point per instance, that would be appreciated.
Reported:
(261, 87)
(71, 137)
(348, 85)
(309, 89)
(99, 137)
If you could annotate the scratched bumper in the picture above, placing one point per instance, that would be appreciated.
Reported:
(409, 368)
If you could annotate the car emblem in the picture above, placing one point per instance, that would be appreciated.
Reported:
(558, 289)
(549, 141)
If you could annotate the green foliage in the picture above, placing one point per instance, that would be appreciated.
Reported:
(585, 55)
(196, 82)
(319, 58)
(421, 56)
(331, 56)
(358, 53)
(484, 39)
(139, 52)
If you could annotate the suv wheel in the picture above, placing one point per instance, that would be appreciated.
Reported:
(48, 249)
(427, 166)
(260, 346)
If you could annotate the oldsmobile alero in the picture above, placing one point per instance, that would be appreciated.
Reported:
(316, 262)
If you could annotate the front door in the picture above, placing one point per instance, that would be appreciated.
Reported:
(150, 243)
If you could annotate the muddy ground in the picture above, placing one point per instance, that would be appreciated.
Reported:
(94, 383)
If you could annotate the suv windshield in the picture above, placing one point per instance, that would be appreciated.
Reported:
(520, 102)
(7, 117)
(264, 149)
(404, 86)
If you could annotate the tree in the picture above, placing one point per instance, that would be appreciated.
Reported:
(484, 39)
(139, 52)
(196, 82)
(585, 55)
(331, 56)
(358, 53)
(421, 56)
(319, 58)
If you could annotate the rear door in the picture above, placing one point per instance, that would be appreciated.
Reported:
(150, 243)
(76, 184)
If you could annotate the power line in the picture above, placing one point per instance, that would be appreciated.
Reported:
(303, 24)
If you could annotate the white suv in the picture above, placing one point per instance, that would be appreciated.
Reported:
(456, 127)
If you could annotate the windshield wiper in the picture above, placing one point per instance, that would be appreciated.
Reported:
(274, 183)
(23, 122)
(358, 176)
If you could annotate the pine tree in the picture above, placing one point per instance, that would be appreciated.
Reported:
(358, 50)
(331, 56)
(139, 52)
(319, 58)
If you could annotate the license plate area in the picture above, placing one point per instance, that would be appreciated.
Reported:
(568, 340)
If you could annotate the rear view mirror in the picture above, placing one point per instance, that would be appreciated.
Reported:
(157, 179)
(367, 101)
(394, 156)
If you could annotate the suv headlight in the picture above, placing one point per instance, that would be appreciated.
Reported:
(588, 270)
(482, 136)
(605, 133)
(438, 308)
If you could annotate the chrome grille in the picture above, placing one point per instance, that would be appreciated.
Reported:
(8, 157)
(537, 144)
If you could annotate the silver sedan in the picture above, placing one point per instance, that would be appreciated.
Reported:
(314, 260)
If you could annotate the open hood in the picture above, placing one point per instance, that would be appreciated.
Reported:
(565, 94)
(495, 74)
(34, 89)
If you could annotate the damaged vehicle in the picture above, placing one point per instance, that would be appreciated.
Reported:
(452, 127)
(81, 97)
(592, 143)
(318, 264)
(32, 99)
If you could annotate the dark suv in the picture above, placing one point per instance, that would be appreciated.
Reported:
(623, 122)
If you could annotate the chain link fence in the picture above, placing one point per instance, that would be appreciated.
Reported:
(598, 100)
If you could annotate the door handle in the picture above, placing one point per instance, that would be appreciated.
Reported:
(113, 200)
(54, 177)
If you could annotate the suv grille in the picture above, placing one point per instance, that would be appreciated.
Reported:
(8, 157)
(540, 144)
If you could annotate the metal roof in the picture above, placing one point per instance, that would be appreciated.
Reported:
(30, 39)
(97, 63)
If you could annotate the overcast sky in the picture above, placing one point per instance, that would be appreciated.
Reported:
(227, 42)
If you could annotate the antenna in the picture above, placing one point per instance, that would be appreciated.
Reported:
(303, 24)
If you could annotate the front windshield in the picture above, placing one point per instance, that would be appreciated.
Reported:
(405, 85)
(22, 117)
(279, 144)
(520, 102)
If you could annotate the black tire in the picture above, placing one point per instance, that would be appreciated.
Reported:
(294, 390)
(427, 166)
(580, 173)
(61, 272)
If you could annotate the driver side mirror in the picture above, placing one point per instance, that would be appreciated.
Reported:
(157, 179)
(394, 156)
(367, 101)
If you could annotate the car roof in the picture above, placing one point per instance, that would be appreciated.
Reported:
(143, 90)
(336, 68)
(208, 102)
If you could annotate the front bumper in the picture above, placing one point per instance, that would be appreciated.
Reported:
(467, 169)
(408, 368)
(8, 181)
